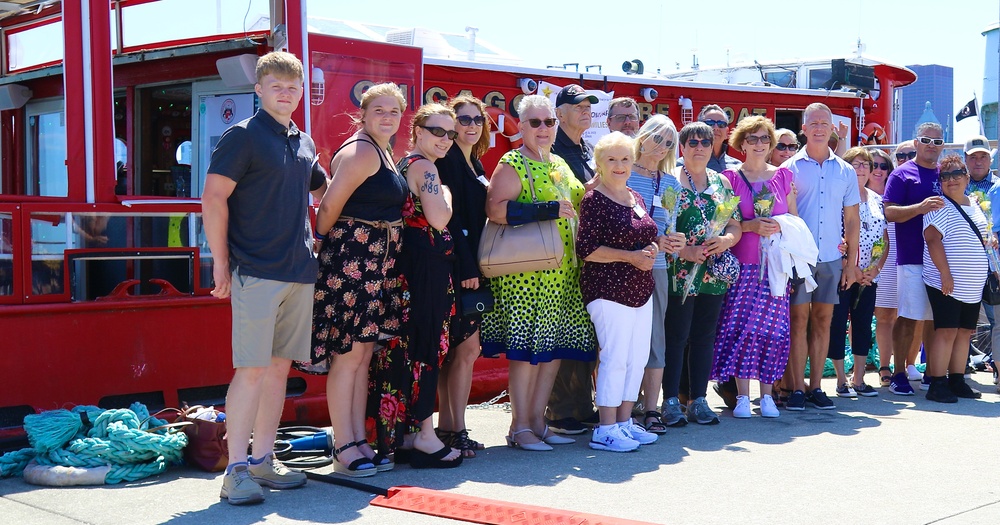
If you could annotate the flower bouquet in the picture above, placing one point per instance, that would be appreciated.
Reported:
(877, 250)
(716, 226)
(671, 205)
(763, 206)
(984, 204)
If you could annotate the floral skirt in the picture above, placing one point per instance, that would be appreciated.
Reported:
(752, 340)
(358, 291)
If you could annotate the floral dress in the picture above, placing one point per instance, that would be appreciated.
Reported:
(694, 212)
(539, 316)
(403, 378)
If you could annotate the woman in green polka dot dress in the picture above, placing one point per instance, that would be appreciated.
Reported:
(539, 316)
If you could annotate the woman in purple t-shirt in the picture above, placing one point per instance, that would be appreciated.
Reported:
(618, 243)
(752, 341)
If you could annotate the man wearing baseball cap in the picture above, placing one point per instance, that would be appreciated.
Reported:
(978, 158)
(573, 111)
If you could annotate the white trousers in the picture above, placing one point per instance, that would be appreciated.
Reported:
(623, 334)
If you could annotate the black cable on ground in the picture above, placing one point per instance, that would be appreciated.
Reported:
(334, 480)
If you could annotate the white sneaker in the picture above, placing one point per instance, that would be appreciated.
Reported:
(742, 409)
(613, 440)
(912, 374)
(637, 432)
(767, 407)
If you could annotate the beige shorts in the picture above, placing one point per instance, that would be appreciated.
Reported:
(270, 319)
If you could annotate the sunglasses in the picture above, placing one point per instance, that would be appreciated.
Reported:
(625, 117)
(753, 140)
(659, 141)
(881, 166)
(441, 132)
(953, 174)
(716, 123)
(928, 140)
(781, 146)
(537, 122)
(466, 120)
(902, 157)
(705, 143)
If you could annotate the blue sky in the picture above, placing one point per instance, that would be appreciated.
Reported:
(665, 33)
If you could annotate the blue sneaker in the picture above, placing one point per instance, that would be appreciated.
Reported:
(900, 386)
(796, 401)
(818, 399)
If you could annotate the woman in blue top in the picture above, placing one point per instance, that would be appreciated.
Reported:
(655, 151)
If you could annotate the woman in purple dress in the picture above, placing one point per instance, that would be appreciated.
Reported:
(753, 335)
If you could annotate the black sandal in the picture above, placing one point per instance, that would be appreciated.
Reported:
(357, 468)
(886, 378)
(421, 459)
(467, 445)
(656, 426)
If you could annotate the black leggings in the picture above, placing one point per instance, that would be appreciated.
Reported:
(693, 322)
(861, 322)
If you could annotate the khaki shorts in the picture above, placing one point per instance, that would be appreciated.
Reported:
(827, 275)
(270, 319)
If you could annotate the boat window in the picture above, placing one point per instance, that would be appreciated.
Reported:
(164, 123)
(45, 164)
(6, 253)
(820, 78)
(34, 45)
(171, 20)
(781, 78)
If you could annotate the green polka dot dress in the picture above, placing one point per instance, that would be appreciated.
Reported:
(539, 316)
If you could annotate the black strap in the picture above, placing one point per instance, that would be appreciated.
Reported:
(969, 220)
(384, 157)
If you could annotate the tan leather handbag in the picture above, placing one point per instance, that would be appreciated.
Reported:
(506, 249)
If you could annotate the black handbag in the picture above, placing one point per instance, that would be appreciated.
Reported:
(991, 290)
(476, 302)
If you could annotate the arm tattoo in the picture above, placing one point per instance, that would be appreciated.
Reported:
(429, 186)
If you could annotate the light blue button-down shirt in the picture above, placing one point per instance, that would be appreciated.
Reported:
(824, 190)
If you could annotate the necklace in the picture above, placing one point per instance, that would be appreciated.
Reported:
(691, 180)
(617, 197)
(656, 174)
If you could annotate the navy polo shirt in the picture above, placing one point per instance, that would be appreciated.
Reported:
(579, 157)
(273, 170)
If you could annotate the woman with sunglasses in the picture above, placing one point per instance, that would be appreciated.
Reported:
(462, 172)
(752, 339)
(954, 273)
(694, 320)
(360, 222)
(538, 317)
(788, 144)
(857, 303)
(885, 294)
(406, 375)
(655, 151)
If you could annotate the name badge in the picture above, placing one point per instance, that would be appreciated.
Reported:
(482, 180)
(657, 201)
(638, 210)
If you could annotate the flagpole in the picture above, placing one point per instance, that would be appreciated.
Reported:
(979, 114)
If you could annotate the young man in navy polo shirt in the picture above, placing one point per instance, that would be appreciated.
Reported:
(254, 208)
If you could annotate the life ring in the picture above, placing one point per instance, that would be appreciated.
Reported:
(873, 134)
(505, 125)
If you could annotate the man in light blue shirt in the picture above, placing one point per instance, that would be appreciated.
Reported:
(827, 199)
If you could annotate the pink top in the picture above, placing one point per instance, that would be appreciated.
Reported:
(748, 249)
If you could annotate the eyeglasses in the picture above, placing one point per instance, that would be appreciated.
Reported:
(660, 140)
(903, 157)
(441, 132)
(946, 175)
(716, 123)
(466, 120)
(881, 166)
(928, 140)
(781, 146)
(536, 122)
(861, 164)
(625, 117)
(705, 143)
(753, 140)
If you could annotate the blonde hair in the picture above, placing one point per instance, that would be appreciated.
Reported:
(387, 89)
(749, 125)
(656, 125)
(610, 141)
(279, 64)
(425, 112)
(479, 148)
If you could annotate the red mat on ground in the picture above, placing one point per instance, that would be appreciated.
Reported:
(487, 511)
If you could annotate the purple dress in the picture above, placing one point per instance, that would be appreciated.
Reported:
(752, 339)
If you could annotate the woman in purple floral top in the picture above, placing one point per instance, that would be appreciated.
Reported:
(618, 243)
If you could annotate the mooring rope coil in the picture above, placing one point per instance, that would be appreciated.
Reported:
(90, 437)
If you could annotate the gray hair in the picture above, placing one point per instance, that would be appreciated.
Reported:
(711, 107)
(658, 125)
(813, 108)
(778, 133)
(921, 129)
(533, 102)
(695, 129)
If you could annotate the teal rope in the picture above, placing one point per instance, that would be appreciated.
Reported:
(118, 437)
